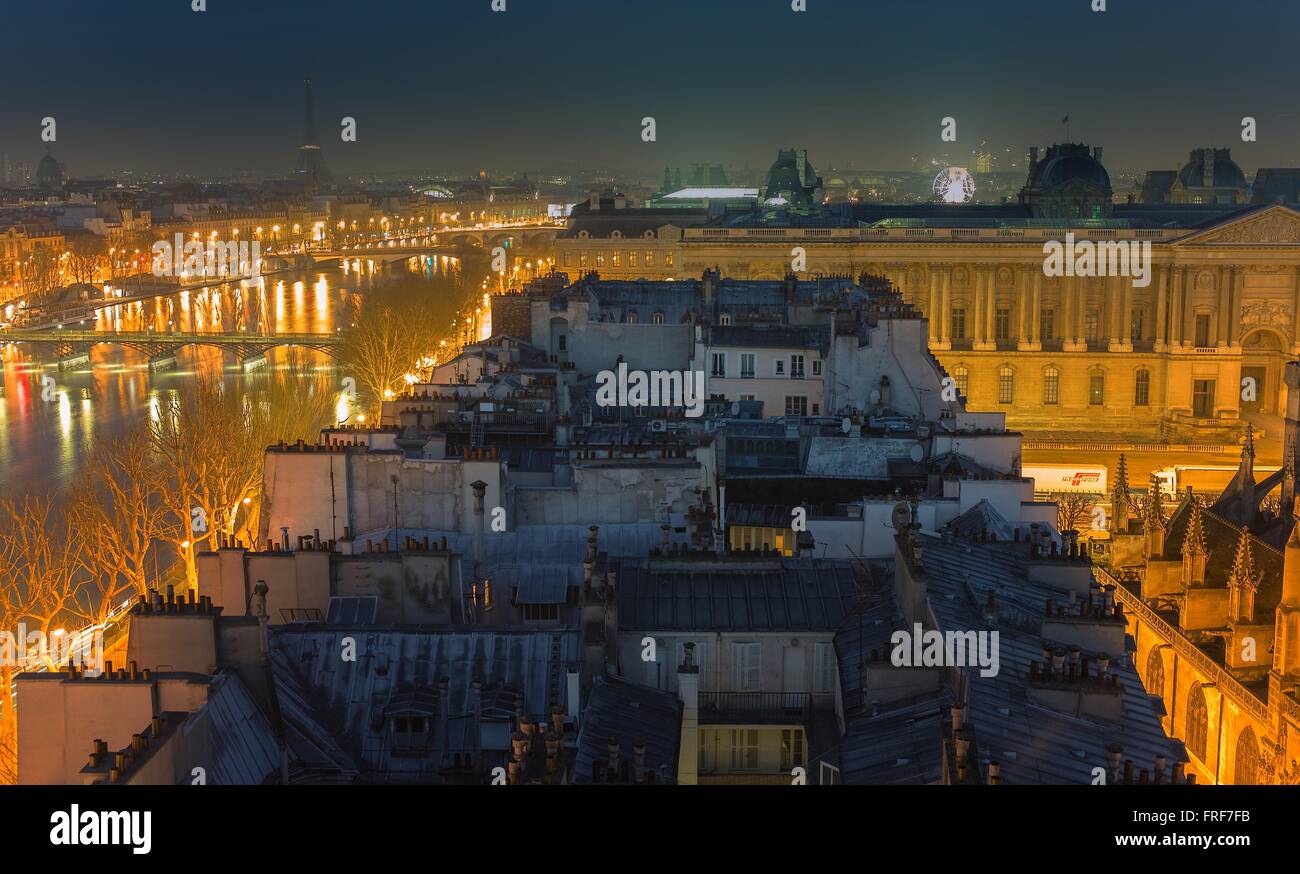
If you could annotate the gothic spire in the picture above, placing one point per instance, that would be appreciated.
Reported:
(1119, 488)
(1153, 512)
(1243, 566)
(1194, 541)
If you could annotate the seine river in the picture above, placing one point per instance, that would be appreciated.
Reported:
(43, 443)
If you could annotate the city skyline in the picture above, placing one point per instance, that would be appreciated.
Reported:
(461, 86)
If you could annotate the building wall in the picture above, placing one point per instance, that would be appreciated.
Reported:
(1243, 276)
(765, 386)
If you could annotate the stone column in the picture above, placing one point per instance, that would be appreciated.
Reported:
(1221, 314)
(1113, 295)
(1126, 337)
(1024, 311)
(1036, 311)
(1234, 314)
(944, 314)
(975, 316)
(986, 283)
(1189, 311)
(932, 302)
(1162, 306)
(1064, 310)
(1073, 331)
(1081, 313)
(1295, 315)
(991, 306)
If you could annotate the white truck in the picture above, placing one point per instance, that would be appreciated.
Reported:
(1205, 479)
(1049, 479)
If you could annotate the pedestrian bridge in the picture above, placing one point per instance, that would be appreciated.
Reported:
(160, 347)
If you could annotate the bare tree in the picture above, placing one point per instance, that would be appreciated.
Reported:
(396, 326)
(119, 511)
(40, 274)
(210, 444)
(1071, 509)
(41, 576)
(87, 257)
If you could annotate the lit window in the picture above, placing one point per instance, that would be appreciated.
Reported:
(1097, 389)
(1142, 389)
(959, 324)
(1002, 325)
(791, 748)
(961, 375)
(1006, 384)
(744, 749)
(1051, 386)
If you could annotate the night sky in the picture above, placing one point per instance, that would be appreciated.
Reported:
(564, 84)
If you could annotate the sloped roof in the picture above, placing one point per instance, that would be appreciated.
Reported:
(244, 748)
(708, 595)
(629, 713)
(341, 706)
(1034, 744)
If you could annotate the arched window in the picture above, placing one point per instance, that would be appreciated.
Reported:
(1155, 674)
(1198, 721)
(1097, 387)
(1246, 770)
(631, 317)
(962, 376)
(657, 318)
(1051, 386)
(1142, 388)
(1006, 384)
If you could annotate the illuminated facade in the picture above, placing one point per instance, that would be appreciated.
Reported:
(1212, 598)
(1164, 359)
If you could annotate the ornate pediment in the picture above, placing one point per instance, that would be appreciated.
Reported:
(1277, 226)
(1265, 312)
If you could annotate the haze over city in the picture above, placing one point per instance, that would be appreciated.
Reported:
(442, 85)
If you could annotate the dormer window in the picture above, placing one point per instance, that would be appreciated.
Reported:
(410, 720)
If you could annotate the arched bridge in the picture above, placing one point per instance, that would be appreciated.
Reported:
(443, 242)
(160, 347)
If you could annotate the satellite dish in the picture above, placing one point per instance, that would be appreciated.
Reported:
(735, 408)
(917, 453)
(875, 396)
(845, 425)
(901, 515)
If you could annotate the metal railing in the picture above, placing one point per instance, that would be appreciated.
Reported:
(755, 707)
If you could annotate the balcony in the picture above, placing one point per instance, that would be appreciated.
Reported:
(755, 708)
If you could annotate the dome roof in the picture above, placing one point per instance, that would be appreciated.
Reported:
(1225, 172)
(1069, 162)
(48, 172)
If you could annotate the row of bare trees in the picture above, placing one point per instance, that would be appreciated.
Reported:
(166, 486)
(398, 325)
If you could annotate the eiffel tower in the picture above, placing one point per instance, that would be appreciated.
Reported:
(311, 166)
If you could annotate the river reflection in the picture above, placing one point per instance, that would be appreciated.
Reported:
(43, 442)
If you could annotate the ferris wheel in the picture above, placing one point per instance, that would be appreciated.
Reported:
(954, 185)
